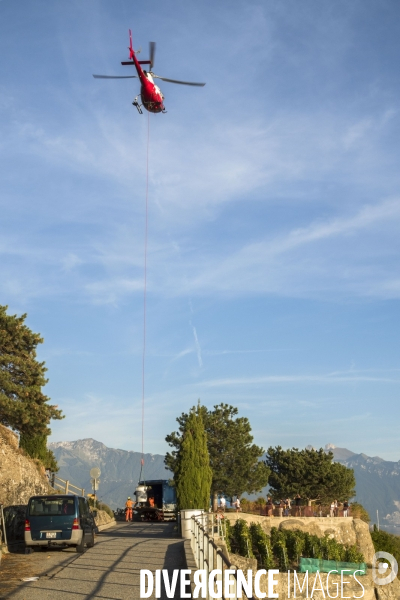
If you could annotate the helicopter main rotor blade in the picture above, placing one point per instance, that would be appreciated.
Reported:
(152, 49)
(115, 76)
(180, 82)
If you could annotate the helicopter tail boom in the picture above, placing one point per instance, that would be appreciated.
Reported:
(131, 50)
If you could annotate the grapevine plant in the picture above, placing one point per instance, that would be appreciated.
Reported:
(262, 546)
(283, 548)
(241, 539)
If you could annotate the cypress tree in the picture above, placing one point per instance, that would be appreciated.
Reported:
(193, 474)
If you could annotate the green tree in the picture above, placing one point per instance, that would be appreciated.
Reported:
(36, 447)
(310, 473)
(193, 473)
(23, 406)
(386, 542)
(234, 460)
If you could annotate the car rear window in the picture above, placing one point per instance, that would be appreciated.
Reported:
(51, 506)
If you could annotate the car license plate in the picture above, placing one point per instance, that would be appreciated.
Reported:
(51, 534)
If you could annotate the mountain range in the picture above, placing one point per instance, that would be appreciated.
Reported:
(120, 469)
(377, 480)
(377, 486)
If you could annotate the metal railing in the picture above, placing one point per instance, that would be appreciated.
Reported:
(65, 485)
(208, 557)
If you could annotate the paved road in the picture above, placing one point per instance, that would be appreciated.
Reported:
(110, 570)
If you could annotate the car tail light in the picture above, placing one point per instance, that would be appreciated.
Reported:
(27, 525)
(75, 524)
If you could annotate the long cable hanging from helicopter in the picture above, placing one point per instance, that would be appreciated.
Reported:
(145, 291)
(152, 99)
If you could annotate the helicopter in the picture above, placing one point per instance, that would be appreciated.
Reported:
(152, 98)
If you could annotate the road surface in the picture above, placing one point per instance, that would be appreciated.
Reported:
(109, 571)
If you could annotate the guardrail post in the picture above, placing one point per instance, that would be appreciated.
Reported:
(201, 548)
(209, 557)
(198, 541)
(220, 567)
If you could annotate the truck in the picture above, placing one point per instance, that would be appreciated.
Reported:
(156, 500)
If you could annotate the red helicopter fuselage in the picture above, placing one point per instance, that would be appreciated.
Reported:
(152, 97)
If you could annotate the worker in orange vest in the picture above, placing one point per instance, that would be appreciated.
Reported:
(128, 509)
(151, 502)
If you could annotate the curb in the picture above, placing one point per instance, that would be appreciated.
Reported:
(105, 526)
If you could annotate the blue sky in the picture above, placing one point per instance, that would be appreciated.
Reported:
(274, 211)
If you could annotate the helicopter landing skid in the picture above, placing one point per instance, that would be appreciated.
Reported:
(138, 106)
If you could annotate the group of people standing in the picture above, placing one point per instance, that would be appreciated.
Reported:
(285, 507)
(335, 507)
(235, 504)
(293, 507)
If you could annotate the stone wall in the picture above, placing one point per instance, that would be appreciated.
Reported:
(333, 586)
(103, 520)
(345, 530)
(20, 476)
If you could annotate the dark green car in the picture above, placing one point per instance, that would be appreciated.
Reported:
(59, 520)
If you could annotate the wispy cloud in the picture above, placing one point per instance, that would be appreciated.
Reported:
(298, 379)
(109, 291)
(182, 354)
(310, 260)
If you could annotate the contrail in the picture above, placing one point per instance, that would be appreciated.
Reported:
(196, 339)
(198, 349)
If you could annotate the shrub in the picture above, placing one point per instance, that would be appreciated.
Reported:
(335, 551)
(35, 446)
(262, 546)
(101, 506)
(359, 512)
(353, 555)
(295, 542)
(228, 533)
(278, 543)
(386, 542)
(259, 502)
(242, 538)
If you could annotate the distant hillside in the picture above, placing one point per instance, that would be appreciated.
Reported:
(377, 480)
(120, 469)
(377, 485)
